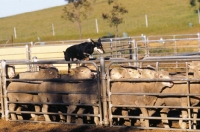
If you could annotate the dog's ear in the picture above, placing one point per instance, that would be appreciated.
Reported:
(99, 40)
(92, 41)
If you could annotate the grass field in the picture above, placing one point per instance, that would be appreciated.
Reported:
(164, 17)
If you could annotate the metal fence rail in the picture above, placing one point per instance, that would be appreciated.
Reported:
(105, 82)
(133, 47)
(6, 112)
(126, 51)
(187, 95)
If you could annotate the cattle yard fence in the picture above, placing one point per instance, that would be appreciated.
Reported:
(171, 53)
(135, 48)
(105, 115)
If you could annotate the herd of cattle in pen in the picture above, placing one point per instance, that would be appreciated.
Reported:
(46, 93)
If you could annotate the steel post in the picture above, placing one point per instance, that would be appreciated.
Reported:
(28, 56)
(104, 94)
(2, 100)
(34, 59)
(4, 91)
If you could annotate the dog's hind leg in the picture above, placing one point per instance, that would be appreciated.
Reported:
(67, 58)
(69, 67)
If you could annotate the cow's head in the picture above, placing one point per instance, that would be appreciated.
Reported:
(98, 46)
(10, 71)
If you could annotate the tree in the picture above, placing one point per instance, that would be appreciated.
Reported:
(114, 18)
(70, 1)
(76, 11)
(193, 3)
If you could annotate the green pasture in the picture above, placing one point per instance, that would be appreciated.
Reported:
(164, 17)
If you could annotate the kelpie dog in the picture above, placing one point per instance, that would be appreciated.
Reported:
(82, 51)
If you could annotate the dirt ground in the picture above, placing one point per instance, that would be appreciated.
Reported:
(7, 126)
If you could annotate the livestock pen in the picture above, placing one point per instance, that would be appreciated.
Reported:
(178, 65)
(38, 81)
(106, 116)
(178, 77)
(133, 47)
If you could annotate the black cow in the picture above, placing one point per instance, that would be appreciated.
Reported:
(82, 51)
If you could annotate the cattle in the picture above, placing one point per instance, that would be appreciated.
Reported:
(194, 67)
(47, 73)
(10, 71)
(181, 87)
(178, 88)
(132, 73)
(48, 93)
(141, 87)
(81, 72)
(26, 87)
(21, 97)
(14, 89)
(49, 90)
(82, 51)
(124, 72)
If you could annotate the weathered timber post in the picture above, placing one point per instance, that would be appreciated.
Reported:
(130, 48)
(111, 48)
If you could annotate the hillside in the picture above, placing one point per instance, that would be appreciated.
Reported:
(164, 17)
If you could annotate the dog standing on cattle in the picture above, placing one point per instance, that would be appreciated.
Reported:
(82, 51)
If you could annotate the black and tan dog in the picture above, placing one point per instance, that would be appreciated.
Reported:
(82, 51)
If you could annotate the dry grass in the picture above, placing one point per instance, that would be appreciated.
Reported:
(164, 17)
(6, 126)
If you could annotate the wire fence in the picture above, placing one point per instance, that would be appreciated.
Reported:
(89, 26)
